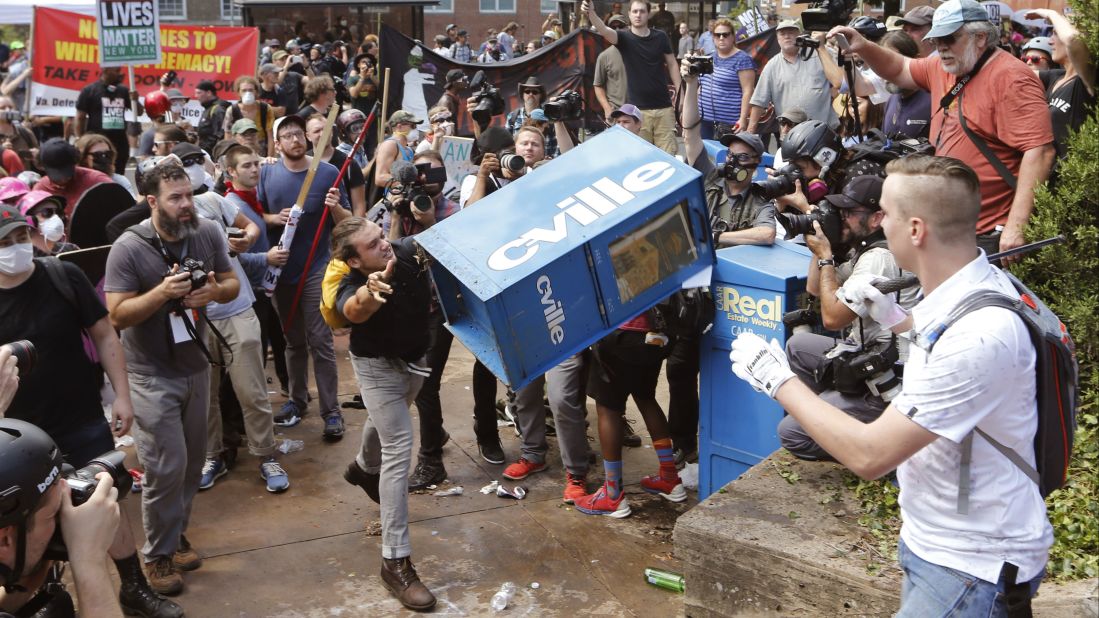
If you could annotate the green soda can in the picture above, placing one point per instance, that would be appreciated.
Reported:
(665, 579)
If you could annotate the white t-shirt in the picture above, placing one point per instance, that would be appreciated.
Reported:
(469, 182)
(981, 372)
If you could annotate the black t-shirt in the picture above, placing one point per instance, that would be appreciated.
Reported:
(1069, 106)
(105, 106)
(61, 392)
(646, 70)
(353, 177)
(399, 329)
(290, 92)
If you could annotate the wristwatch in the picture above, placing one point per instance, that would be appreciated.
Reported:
(827, 262)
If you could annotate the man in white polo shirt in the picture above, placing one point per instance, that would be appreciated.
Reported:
(982, 373)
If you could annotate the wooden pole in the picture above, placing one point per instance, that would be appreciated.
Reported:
(384, 120)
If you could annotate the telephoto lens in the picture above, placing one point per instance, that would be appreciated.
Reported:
(25, 355)
(513, 162)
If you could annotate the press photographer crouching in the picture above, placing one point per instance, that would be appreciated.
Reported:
(35, 503)
(861, 372)
(387, 299)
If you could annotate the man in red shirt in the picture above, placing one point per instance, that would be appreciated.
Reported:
(63, 176)
(1003, 104)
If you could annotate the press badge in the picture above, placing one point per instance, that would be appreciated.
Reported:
(180, 334)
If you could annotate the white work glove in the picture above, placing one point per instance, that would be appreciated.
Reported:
(860, 295)
(762, 365)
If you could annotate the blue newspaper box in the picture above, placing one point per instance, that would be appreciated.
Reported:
(552, 262)
(752, 287)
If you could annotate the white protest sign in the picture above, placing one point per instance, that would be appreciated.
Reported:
(456, 153)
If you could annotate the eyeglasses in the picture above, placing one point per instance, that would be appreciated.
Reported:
(722, 35)
(743, 158)
(102, 155)
(1032, 59)
(292, 136)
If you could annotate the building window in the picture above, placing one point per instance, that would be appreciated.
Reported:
(444, 6)
(172, 9)
(229, 10)
(497, 6)
(548, 6)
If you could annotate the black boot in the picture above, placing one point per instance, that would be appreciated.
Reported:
(137, 598)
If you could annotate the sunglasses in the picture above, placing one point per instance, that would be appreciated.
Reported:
(45, 212)
(722, 35)
(945, 40)
(165, 143)
(532, 92)
(104, 155)
(193, 160)
(1033, 59)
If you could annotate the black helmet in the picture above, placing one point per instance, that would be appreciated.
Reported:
(30, 463)
(868, 27)
(345, 120)
(813, 139)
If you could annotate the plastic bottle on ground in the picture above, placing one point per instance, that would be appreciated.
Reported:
(503, 596)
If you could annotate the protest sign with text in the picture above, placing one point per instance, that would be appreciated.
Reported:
(129, 32)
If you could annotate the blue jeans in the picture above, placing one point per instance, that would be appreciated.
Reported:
(931, 590)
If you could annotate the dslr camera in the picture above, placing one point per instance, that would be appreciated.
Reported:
(568, 105)
(488, 102)
(196, 269)
(827, 215)
(699, 64)
(413, 194)
(781, 183)
(82, 484)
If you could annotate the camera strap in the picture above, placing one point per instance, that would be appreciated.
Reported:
(949, 97)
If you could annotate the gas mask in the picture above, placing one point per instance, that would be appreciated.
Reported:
(735, 172)
(52, 229)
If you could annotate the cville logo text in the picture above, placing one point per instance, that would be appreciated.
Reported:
(740, 307)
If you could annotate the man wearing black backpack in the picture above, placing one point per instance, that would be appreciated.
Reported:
(962, 432)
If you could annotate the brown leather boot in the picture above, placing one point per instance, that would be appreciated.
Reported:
(186, 558)
(399, 576)
(163, 576)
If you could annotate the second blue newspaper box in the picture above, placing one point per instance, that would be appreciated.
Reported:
(550, 263)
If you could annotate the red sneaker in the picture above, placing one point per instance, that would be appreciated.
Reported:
(669, 490)
(600, 503)
(522, 469)
(576, 487)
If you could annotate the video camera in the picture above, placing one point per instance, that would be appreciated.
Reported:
(82, 484)
(568, 105)
(489, 103)
(823, 15)
(829, 217)
(412, 190)
(699, 64)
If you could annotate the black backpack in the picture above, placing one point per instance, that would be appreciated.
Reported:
(1057, 385)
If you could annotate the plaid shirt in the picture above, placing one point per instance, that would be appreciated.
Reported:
(516, 119)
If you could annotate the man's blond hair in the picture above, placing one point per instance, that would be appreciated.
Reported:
(945, 193)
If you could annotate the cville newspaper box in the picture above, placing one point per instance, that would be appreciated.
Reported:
(738, 427)
(549, 264)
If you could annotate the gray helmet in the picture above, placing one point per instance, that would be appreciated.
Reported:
(30, 463)
(815, 140)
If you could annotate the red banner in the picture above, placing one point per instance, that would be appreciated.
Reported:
(66, 58)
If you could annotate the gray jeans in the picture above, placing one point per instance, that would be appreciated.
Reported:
(805, 351)
(241, 332)
(170, 433)
(309, 334)
(388, 388)
(563, 385)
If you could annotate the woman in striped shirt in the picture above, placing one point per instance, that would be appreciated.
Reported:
(723, 95)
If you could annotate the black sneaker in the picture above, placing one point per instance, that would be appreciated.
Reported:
(685, 455)
(492, 453)
(367, 481)
(427, 472)
(629, 438)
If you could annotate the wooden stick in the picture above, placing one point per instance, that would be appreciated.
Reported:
(384, 120)
(326, 136)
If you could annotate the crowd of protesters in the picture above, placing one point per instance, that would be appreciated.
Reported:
(205, 291)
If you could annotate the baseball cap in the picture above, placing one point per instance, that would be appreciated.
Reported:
(788, 23)
(207, 85)
(225, 146)
(17, 45)
(862, 191)
(549, 34)
(919, 16)
(34, 199)
(400, 116)
(449, 26)
(462, 32)
(539, 114)
(454, 75)
(174, 93)
(289, 118)
(11, 189)
(279, 55)
(187, 149)
(952, 15)
(268, 67)
(629, 109)
(243, 125)
(272, 43)
(59, 158)
(618, 18)
(795, 115)
(891, 23)
(11, 219)
(744, 137)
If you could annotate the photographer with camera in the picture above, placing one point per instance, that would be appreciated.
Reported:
(387, 298)
(790, 80)
(723, 95)
(497, 165)
(35, 507)
(16, 137)
(414, 199)
(161, 273)
(837, 370)
(533, 94)
(51, 305)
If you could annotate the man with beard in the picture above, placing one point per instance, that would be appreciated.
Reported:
(352, 185)
(860, 207)
(996, 121)
(101, 108)
(161, 274)
(278, 187)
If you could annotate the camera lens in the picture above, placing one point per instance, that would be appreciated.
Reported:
(25, 355)
(513, 162)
